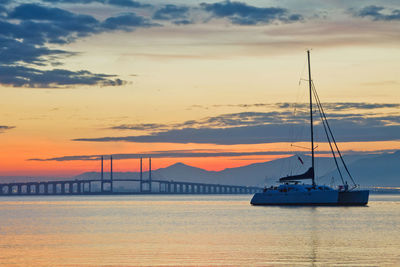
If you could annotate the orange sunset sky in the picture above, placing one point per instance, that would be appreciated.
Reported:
(212, 84)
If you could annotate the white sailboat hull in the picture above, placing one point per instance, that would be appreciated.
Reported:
(296, 198)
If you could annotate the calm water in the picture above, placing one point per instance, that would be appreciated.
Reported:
(195, 230)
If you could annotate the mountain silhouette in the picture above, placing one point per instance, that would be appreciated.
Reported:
(367, 170)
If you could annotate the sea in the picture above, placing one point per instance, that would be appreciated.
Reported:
(195, 230)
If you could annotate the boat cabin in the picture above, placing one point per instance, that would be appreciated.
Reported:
(296, 187)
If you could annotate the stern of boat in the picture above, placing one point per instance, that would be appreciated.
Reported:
(353, 198)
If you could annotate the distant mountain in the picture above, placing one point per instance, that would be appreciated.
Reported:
(367, 170)
(183, 172)
(382, 170)
(269, 172)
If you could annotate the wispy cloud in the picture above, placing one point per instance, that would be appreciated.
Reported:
(177, 14)
(120, 3)
(244, 14)
(4, 128)
(34, 78)
(221, 121)
(271, 133)
(378, 13)
(343, 106)
(352, 122)
(332, 107)
(126, 22)
(141, 126)
(42, 24)
(126, 3)
(284, 113)
(197, 153)
(164, 154)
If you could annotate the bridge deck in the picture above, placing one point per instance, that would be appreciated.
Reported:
(107, 187)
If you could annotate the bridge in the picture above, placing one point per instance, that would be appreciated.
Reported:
(108, 186)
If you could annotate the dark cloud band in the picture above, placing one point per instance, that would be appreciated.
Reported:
(120, 3)
(378, 13)
(243, 14)
(29, 77)
(269, 127)
(188, 154)
(260, 134)
(177, 14)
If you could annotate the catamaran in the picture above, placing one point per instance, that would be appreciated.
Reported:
(292, 192)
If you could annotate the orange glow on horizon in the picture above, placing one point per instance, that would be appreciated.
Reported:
(15, 156)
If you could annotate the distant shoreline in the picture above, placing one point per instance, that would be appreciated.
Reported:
(380, 191)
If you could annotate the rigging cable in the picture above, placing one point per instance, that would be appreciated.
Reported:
(326, 132)
(333, 138)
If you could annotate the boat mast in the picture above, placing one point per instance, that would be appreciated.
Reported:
(311, 118)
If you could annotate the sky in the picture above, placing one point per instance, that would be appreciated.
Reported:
(212, 84)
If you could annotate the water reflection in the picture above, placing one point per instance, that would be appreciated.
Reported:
(187, 230)
(314, 234)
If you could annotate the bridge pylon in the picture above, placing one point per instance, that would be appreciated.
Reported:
(145, 182)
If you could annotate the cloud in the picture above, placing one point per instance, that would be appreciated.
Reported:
(2, 6)
(378, 13)
(165, 154)
(285, 113)
(140, 126)
(226, 136)
(121, 3)
(30, 32)
(196, 153)
(4, 128)
(69, 158)
(334, 107)
(21, 76)
(243, 14)
(268, 127)
(13, 51)
(127, 3)
(38, 12)
(40, 24)
(221, 121)
(183, 22)
(26, 33)
(172, 154)
(259, 134)
(74, 1)
(126, 22)
(177, 14)
(343, 106)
